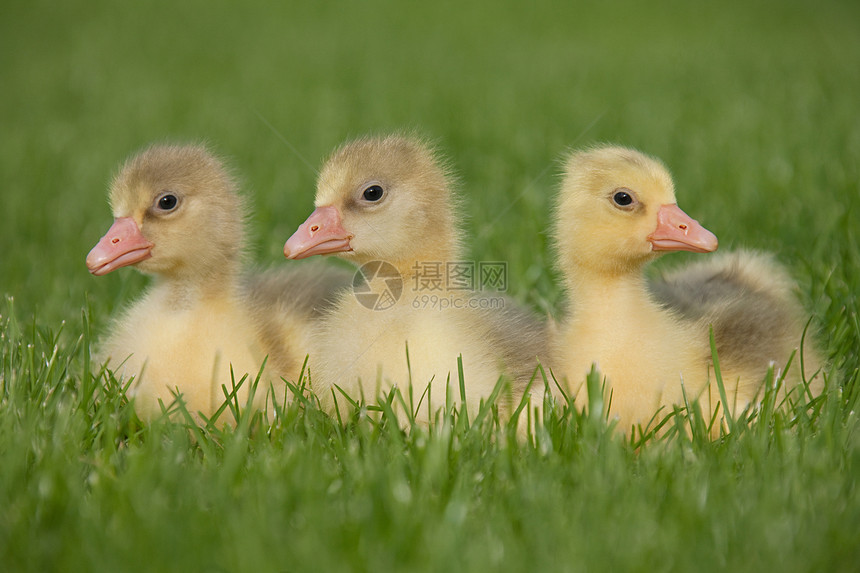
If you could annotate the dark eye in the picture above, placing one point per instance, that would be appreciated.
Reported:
(373, 193)
(167, 202)
(623, 197)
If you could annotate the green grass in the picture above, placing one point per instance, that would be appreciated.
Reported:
(754, 108)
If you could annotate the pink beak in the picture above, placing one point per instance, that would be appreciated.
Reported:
(322, 233)
(677, 231)
(121, 246)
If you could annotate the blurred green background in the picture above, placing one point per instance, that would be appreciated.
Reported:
(753, 105)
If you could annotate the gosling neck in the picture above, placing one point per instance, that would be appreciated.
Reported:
(607, 295)
(182, 289)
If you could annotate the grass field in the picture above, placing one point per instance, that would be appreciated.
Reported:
(754, 106)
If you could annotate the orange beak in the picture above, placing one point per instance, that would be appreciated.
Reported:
(321, 234)
(677, 231)
(121, 246)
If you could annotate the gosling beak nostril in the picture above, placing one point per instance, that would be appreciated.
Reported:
(322, 233)
(677, 231)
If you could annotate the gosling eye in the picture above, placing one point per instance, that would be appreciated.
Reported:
(167, 202)
(373, 193)
(624, 198)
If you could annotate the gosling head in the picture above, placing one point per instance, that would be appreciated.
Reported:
(176, 212)
(380, 198)
(616, 211)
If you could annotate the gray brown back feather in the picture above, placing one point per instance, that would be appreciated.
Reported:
(522, 340)
(749, 300)
(284, 303)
